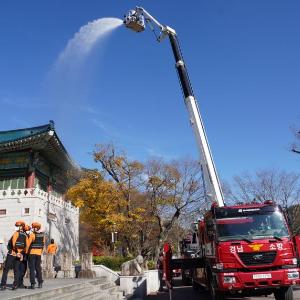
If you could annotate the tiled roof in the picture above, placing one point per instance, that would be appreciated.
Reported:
(18, 134)
(41, 138)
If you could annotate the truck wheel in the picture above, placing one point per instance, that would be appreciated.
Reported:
(284, 294)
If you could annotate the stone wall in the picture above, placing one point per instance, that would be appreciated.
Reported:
(64, 224)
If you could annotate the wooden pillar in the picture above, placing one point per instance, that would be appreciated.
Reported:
(30, 179)
(49, 186)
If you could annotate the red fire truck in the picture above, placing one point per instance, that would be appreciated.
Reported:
(244, 249)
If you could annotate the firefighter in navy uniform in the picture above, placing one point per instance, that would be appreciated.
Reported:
(36, 242)
(23, 264)
(16, 249)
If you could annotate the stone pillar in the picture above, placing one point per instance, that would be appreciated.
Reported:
(66, 264)
(48, 271)
(87, 266)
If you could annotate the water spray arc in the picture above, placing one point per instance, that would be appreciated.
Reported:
(86, 38)
(136, 20)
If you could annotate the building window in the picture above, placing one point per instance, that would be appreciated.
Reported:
(26, 211)
(2, 212)
(67, 221)
(13, 183)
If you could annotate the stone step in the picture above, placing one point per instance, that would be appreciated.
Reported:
(81, 294)
(92, 292)
(69, 291)
(47, 294)
(115, 293)
(109, 291)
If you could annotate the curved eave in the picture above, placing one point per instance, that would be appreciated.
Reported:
(48, 144)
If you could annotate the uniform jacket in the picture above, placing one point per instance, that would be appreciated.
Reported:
(52, 248)
(16, 249)
(31, 239)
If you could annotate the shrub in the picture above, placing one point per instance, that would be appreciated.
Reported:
(151, 265)
(112, 262)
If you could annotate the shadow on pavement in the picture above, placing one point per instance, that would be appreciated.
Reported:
(180, 293)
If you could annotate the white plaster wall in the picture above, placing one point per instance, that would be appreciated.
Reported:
(64, 228)
(152, 281)
(134, 285)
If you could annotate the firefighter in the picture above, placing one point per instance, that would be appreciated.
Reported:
(52, 249)
(36, 242)
(160, 268)
(23, 264)
(16, 249)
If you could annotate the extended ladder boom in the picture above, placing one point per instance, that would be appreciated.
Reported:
(135, 20)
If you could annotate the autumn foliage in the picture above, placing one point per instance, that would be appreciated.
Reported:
(141, 203)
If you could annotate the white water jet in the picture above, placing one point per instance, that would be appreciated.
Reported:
(86, 38)
(68, 80)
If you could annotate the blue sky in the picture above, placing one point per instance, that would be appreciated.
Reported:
(243, 60)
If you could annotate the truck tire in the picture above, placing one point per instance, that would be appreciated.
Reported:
(284, 293)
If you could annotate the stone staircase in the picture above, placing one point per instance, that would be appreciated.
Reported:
(94, 289)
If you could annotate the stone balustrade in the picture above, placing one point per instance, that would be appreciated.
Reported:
(35, 192)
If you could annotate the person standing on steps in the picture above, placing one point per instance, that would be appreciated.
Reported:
(16, 249)
(24, 262)
(36, 243)
(52, 249)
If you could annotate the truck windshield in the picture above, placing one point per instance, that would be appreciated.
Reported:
(255, 226)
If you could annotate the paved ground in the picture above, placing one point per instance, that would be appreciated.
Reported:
(48, 285)
(188, 293)
(178, 293)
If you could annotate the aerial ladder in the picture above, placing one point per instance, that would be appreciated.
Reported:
(250, 272)
(136, 20)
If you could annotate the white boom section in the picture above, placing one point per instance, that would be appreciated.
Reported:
(212, 184)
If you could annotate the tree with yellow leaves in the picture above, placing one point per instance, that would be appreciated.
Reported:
(100, 203)
(127, 175)
(142, 202)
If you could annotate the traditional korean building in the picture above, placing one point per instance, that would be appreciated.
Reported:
(35, 172)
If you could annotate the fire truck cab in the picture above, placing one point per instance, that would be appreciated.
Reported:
(247, 250)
